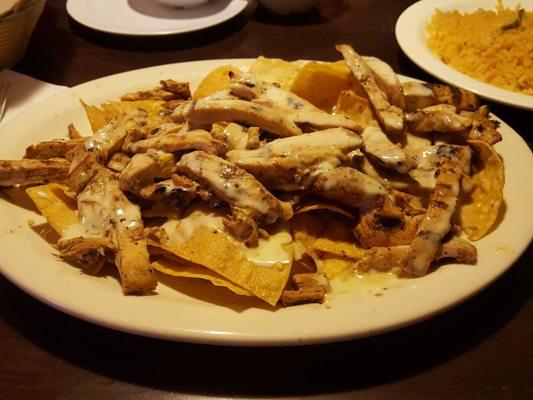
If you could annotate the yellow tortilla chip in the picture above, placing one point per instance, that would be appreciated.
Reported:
(101, 116)
(478, 210)
(338, 239)
(186, 269)
(307, 228)
(322, 83)
(356, 107)
(215, 81)
(200, 238)
(331, 266)
(55, 205)
(276, 70)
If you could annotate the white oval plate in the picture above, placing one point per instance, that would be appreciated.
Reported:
(194, 311)
(412, 38)
(150, 18)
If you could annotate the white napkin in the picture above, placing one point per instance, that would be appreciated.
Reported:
(24, 91)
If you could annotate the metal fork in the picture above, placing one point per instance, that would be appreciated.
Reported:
(4, 89)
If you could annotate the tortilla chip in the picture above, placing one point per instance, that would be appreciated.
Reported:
(307, 228)
(478, 210)
(338, 240)
(101, 116)
(276, 70)
(331, 266)
(55, 205)
(322, 83)
(215, 81)
(186, 269)
(355, 107)
(200, 238)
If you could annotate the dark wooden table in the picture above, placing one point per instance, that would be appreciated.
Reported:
(480, 350)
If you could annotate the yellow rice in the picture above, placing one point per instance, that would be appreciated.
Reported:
(475, 45)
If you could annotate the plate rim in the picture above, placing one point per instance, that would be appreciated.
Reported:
(226, 338)
(414, 45)
(169, 32)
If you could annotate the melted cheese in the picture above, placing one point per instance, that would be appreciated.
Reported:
(268, 253)
(362, 282)
(271, 251)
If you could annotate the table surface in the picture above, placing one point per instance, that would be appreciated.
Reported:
(481, 349)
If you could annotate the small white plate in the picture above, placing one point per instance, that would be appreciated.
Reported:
(193, 311)
(412, 38)
(149, 17)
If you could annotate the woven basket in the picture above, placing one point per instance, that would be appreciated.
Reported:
(15, 32)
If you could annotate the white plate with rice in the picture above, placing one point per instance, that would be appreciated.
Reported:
(412, 36)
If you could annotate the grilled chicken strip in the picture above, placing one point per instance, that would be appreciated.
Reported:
(88, 158)
(207, 111)
(420, 95)
(482, 127)
(387, 81)
(118, 162)
(144, 168)
(236, 137)
(349, 187)
(439, 118)
(379, 146)
(454, 161)
(106, 211)
(387, 258)
(233, 185)
(293, 163)
(299, 110)
(32, 172)
(168, 90)
(197, 139)
(428, 164)
(88, 252)
(52, 148)
(180, 188)
(390, 117)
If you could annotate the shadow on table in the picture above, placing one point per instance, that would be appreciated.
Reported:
(332, 368)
